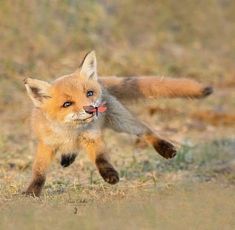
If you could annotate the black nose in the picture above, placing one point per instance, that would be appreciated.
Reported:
(89, 109)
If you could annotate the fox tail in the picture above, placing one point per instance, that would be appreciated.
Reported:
(128, 88)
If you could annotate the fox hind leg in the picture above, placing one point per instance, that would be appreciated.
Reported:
(165, 148)
(121, 120)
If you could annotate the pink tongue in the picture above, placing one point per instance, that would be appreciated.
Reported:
(100, 109)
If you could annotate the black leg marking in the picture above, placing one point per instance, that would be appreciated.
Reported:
(165, 149)
(67, 159)
(207, 91)
(35, 186)
(106, 170)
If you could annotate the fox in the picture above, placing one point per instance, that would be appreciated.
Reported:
(70, 114)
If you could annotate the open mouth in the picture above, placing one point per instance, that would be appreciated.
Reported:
(95, 110)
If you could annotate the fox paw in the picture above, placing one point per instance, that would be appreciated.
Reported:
(67, 159)
(165, 149)
(110, 175)
(30, 193)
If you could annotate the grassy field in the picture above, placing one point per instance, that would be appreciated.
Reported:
(193, 39)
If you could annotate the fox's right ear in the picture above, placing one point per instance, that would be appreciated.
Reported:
(37, 90)
(88, 68)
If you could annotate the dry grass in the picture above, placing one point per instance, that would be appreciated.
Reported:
(204, 206)
(192, 38)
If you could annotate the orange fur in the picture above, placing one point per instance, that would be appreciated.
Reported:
(44, 157)
(63, 126)
(129, 88)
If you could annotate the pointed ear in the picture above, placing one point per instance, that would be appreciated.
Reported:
(37, 90)
(88, 67)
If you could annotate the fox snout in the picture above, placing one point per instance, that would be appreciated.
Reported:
(95, 109)
(90, 109)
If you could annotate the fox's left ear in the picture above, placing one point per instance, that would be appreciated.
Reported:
(88, 67)
(37, 90)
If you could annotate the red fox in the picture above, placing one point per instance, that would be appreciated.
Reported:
(71, 112)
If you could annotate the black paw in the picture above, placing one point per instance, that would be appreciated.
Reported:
(106, 170)
(207, 91)
(110, 175)
(67, 159)
(165, 149)
(35, 187)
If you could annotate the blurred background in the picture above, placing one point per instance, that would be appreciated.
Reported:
(187, 38)
(48, 38)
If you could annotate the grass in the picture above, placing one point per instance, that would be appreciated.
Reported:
(193, 39)
(205, 206)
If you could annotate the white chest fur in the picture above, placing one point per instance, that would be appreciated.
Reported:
(68, 139)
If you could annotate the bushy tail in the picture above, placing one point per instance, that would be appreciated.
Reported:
(128, 88)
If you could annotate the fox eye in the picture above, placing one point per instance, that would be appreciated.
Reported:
(90, 93)
(67, 104)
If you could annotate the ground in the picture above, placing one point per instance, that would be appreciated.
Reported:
(190, 39)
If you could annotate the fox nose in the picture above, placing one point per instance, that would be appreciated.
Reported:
(90, 109)
(98, 109)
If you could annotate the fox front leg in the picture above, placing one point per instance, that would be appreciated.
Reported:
(98, 155)
(41, 163)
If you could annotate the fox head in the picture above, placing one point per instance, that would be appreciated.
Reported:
(64, 99)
